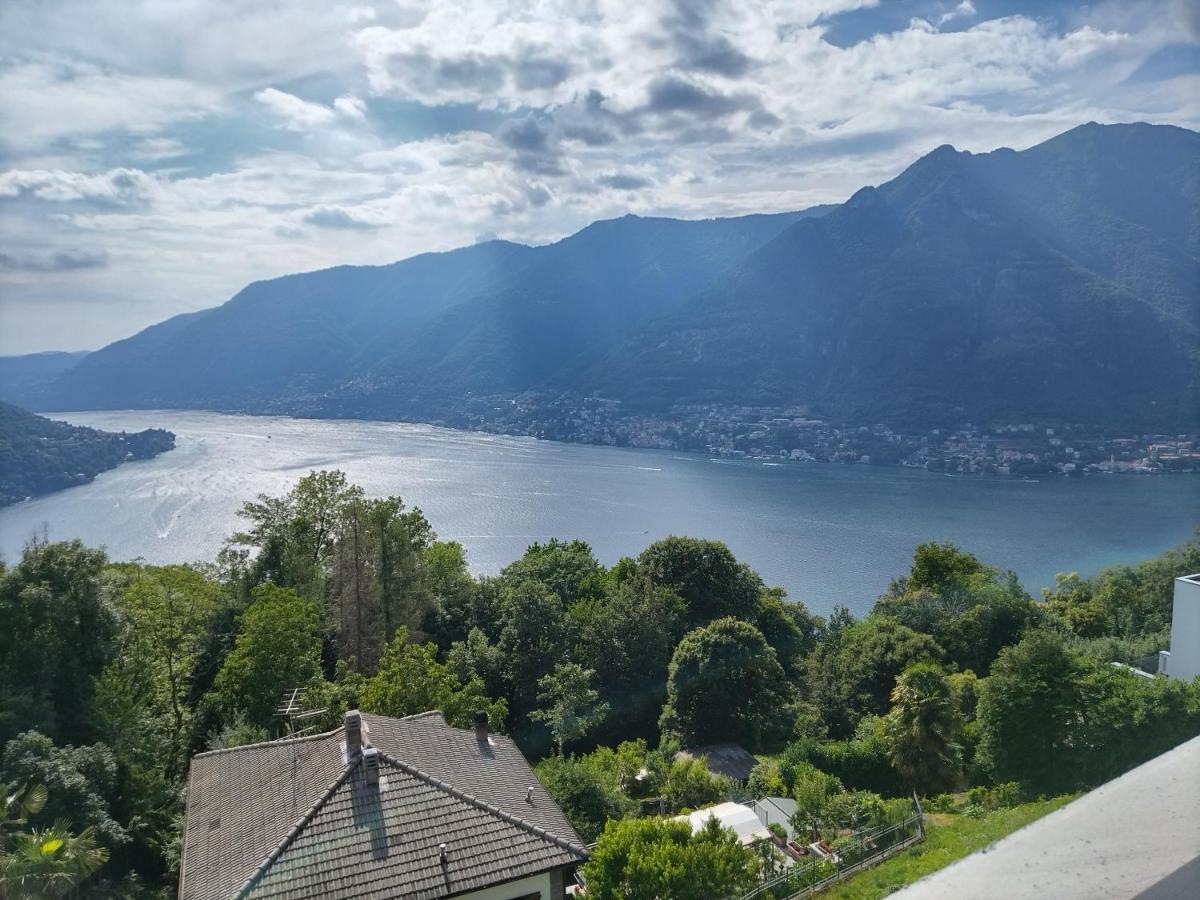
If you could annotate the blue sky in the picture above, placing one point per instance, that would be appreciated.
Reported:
(157, 156)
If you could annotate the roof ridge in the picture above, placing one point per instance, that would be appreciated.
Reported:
(278, 742)
(294, 831)
(490, 808)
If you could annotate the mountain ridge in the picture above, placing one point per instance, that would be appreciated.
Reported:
(1056, 283)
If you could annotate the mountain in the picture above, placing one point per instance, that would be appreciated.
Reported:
(28, 373)
(39, 455)
(497, 316)
(1060, 283)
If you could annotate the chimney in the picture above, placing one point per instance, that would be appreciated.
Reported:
(371, 765)
(353, 732)
(481, 726)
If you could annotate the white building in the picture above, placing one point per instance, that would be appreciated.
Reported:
(742, 819)
(1182, 661)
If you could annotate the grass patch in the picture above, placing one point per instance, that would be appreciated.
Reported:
(949, 837)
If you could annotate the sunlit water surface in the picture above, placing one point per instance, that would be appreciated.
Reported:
(828, 533)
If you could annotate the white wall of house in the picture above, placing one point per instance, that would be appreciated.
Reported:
(537, 884)
(1184, 659)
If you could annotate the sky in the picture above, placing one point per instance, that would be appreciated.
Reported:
(158, 155)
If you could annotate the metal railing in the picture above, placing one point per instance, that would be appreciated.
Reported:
(869, 848)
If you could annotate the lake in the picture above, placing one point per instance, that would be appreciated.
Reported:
(828, 533)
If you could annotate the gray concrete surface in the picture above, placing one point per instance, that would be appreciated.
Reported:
(1137, 836)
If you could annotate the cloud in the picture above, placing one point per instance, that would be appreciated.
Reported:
(297, 114)
(964, 10)
(198, 151)
(118, 187)
(55, 261)
(624, 181)
(338, 219)
(43, 103)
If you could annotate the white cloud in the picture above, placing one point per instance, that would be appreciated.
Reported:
(297, 114)
(40, 102)
(964, 10)
(568, 111)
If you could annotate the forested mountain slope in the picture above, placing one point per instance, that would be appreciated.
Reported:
(1059, 283)
(39, 455)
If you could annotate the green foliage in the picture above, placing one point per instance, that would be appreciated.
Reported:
(945, 843)
(922, 730)
(412, 680)
(766, 780)
(278, 649)
(725, 684)
(643, 858)
(972, 610)
(533, 635)
(712, 583)
(1055, 721)
(851, 674)
(627, 637)
(49, 862)
(812, 790)
(860, 762)
(589, 794)
(81, 783)
(690, 785)
(570, 706)
(60, 630)
(567, 568)
(39, 455)
(1123, 602)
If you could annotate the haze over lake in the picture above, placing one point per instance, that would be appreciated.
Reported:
(828, 533)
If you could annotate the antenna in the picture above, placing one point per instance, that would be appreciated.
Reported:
(292, 709)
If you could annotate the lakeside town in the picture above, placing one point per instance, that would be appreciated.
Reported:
(1024, 449)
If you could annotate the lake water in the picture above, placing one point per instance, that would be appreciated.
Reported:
(828, 533)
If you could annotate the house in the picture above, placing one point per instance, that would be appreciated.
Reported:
(741, 819)
(380, 808)
(1182, 661)
(732, 760)
(776, 811)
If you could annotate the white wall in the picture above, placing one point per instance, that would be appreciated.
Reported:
(537, 884)
(1184, 662)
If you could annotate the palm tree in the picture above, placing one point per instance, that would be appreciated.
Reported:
(922, 727)
(19, 804)
(49, 862)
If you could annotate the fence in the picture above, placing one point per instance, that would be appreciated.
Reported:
(868, 848)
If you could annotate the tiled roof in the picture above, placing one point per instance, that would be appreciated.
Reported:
(732, 760)
(294, 819)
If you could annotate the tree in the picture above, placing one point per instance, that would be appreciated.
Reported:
(788, 627)
(568, 568)
(627, 637)
(59, 631)
(725, 684)
(708, 577)
(812, 790)
(852, 675)
(410, 680)
(81, 783)
(922, 730)
(571, 703)
(637, 859)
(689, 784)
(533, 639)
(168, 610)
(49, 862)
(296, 533)
(973, 610)
(587, 793)
(1028, 710)
(278, 649)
